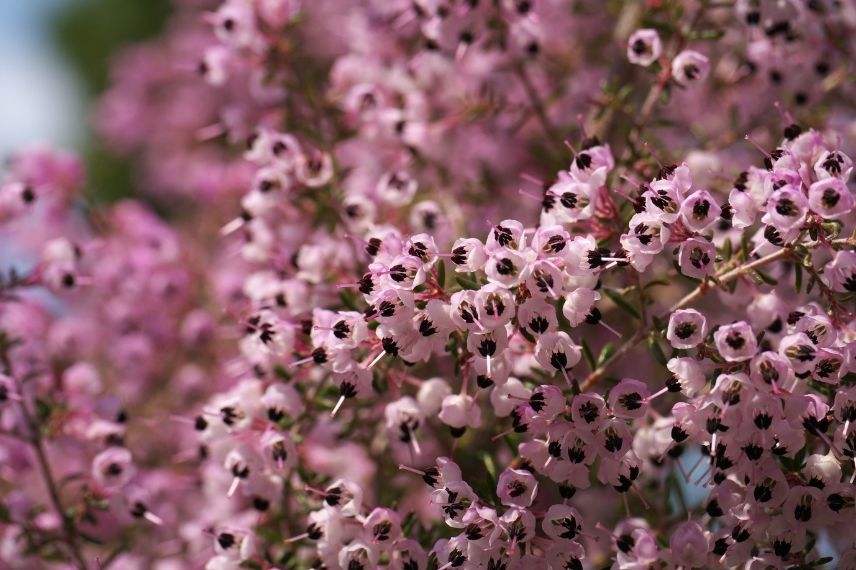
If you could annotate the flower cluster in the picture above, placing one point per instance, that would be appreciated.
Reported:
(642, 358)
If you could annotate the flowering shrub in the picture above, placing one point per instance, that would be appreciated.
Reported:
(497, 284)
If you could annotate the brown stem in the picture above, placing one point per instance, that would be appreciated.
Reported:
(537, 104)
(731, 276)
(69, 530)
(598, 372)
(642, 333)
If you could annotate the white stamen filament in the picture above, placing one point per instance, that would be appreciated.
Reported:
(528, 194)
(610, 329)
(337, 406)
(376, 359)
(210, 132)
(567, 378)
(550, 290)
(656, 394)
(153, 518)
(404, 467)
(415, 443)
(502, 434)
(302, 361)
(232, 226)
(641, 498)
(234, 486)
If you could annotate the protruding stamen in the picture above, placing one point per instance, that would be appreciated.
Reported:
(301, 362)
(210, 132)
(232, 226)
(153, 518)
(609, 328)
(532, 179)
(502, 434)
(415, 443)
(413, 470)
(296, 538)
(337, 406)
(657, 394)
(376, 359)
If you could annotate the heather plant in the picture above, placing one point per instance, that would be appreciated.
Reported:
(433, 284)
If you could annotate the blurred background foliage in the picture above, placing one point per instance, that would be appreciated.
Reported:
(89, 33)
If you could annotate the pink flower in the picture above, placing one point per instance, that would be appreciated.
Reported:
(516, 488)
(736, 342)
(689, 67)
(830, 198)
(644, 47)
(113, 468)
(696, 258)
(687, 328)
(689, 545)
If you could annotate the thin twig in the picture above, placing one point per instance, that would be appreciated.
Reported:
(35, 440)
(537, 104)
(699, 291)
(730, 276)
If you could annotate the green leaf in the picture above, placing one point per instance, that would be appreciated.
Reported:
(588, 355)
(657, 283)
(466, 283)
(564, 323)
(798, 277)
(710, 34)
(726, 250)
(811, 284)
(489, 466)
(766, 278)
(43, 410)
(656, 351)
(380, 383)
(409, 523)
(441, 273)
(606, 353)
(348, 299)
(622, 303)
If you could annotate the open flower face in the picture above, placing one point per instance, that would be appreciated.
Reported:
(446, 284)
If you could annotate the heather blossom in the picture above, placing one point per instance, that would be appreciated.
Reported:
(444, 285)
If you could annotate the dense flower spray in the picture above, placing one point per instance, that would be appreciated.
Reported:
(495, 284)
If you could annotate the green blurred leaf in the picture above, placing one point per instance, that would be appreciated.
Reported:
(89, 34)
(606, 352)
(656, 351)
(588, 355)
(441, 273)
(466, 283)
(622, 303)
